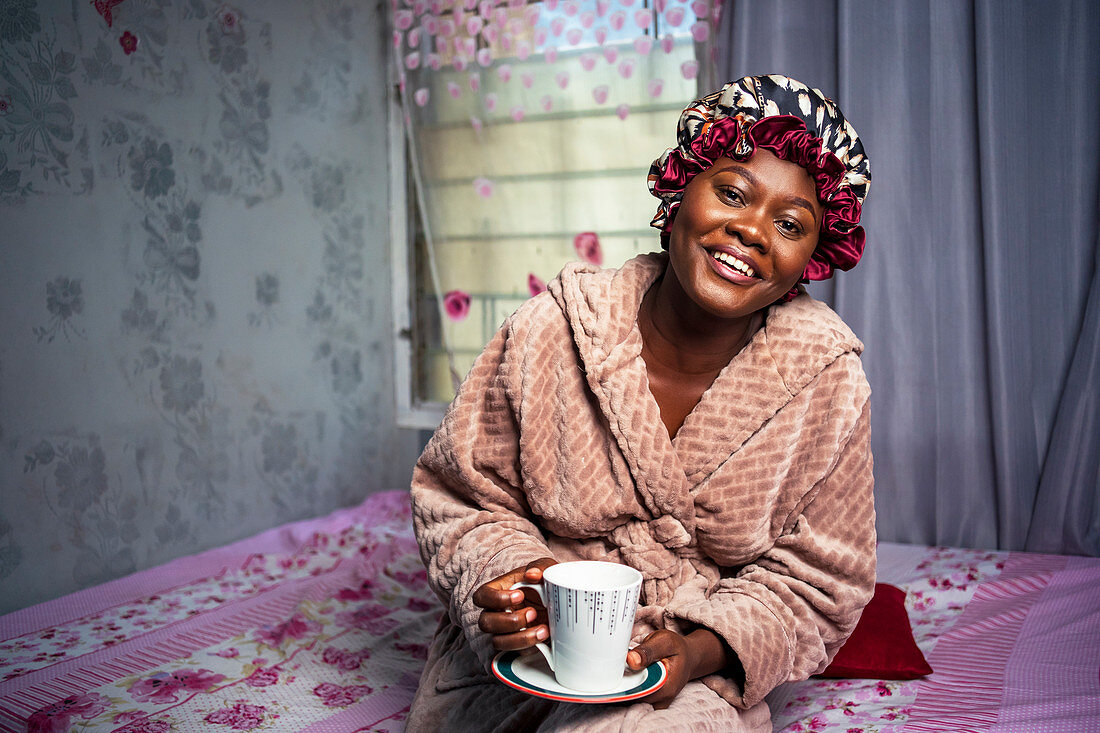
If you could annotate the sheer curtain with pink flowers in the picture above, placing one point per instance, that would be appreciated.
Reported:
(530, 127)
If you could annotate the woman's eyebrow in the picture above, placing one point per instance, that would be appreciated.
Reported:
(748, 176)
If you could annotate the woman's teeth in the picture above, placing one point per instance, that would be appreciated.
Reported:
(731, 261)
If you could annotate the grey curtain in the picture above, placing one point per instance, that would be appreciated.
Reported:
(978, 297)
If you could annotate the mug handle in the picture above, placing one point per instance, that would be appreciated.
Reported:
(540, 645)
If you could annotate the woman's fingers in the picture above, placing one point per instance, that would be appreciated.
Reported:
(521, 639)
(497, 595)
(507, 622)
(517, 629)
(658, 645)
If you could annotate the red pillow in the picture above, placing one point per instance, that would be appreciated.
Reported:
(882, 646)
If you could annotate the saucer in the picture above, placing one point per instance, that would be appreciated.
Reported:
(528, 672)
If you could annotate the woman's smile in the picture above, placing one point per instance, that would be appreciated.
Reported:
(743, 234)
(733, 265)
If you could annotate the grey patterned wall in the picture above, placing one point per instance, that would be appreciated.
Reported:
(194, 287)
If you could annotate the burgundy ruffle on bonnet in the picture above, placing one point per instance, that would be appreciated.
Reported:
(798, 124)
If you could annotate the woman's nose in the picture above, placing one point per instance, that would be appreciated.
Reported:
(749, 224)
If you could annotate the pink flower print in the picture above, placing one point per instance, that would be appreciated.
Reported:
(600, 93)
(456, 304)
(129, 42)
(336, 696)
(689, 69)
(145, 726)
(419, 577)
(158, 688)
(129, 716)
(239, 717)
(363, 593)
(883, 689)
(163, 686)
(622, 111)
(343, 659)
(296, 627)
(417, 651)
(262, 677)
(369, 617)
(418, 604)
(813, 725)
(54, 718)
(535, 284)
(587, 245)
(484, 187)
(229, 653)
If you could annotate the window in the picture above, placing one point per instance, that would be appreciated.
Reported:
(525, 125)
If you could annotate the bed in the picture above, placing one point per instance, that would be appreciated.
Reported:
(323, 625)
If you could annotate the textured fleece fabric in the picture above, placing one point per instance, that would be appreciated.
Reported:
(756, 521)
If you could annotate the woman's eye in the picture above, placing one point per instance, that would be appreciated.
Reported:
(731, 194)
(790, 227)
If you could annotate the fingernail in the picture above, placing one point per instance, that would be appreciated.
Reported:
(531, 615)
(633, 659)
(517, 597)
(542, 633)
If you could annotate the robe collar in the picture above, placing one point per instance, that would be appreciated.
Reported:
(797, 340)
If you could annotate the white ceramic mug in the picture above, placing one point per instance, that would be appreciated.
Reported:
(591, 606)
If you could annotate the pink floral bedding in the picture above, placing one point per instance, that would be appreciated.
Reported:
(318, 626)
(323, 625)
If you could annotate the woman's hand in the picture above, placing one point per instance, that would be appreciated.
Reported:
(516, 619)
(686, 658)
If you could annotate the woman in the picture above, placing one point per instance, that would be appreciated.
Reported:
(695, 415)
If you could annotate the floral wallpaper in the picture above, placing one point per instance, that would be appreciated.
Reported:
(194, 279)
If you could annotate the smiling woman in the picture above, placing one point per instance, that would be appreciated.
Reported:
(695, 415)
(752, 224)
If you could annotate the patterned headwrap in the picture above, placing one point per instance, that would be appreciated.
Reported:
(797, 124)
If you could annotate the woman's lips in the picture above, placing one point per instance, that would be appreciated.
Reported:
(732, 266)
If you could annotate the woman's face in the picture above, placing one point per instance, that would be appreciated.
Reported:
(744, 233)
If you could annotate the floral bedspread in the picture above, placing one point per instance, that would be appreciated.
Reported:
(323, 625)
(939, 586)
(326, 630)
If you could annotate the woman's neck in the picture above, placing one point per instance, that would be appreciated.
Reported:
(683, 338)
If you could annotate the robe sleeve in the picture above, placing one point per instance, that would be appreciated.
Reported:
(787, 613)
(471, 520)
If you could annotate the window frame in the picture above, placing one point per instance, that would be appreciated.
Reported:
(410, 412)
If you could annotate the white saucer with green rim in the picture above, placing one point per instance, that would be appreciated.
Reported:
(528, 672)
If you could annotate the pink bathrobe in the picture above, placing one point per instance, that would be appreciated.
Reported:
(755, 521)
